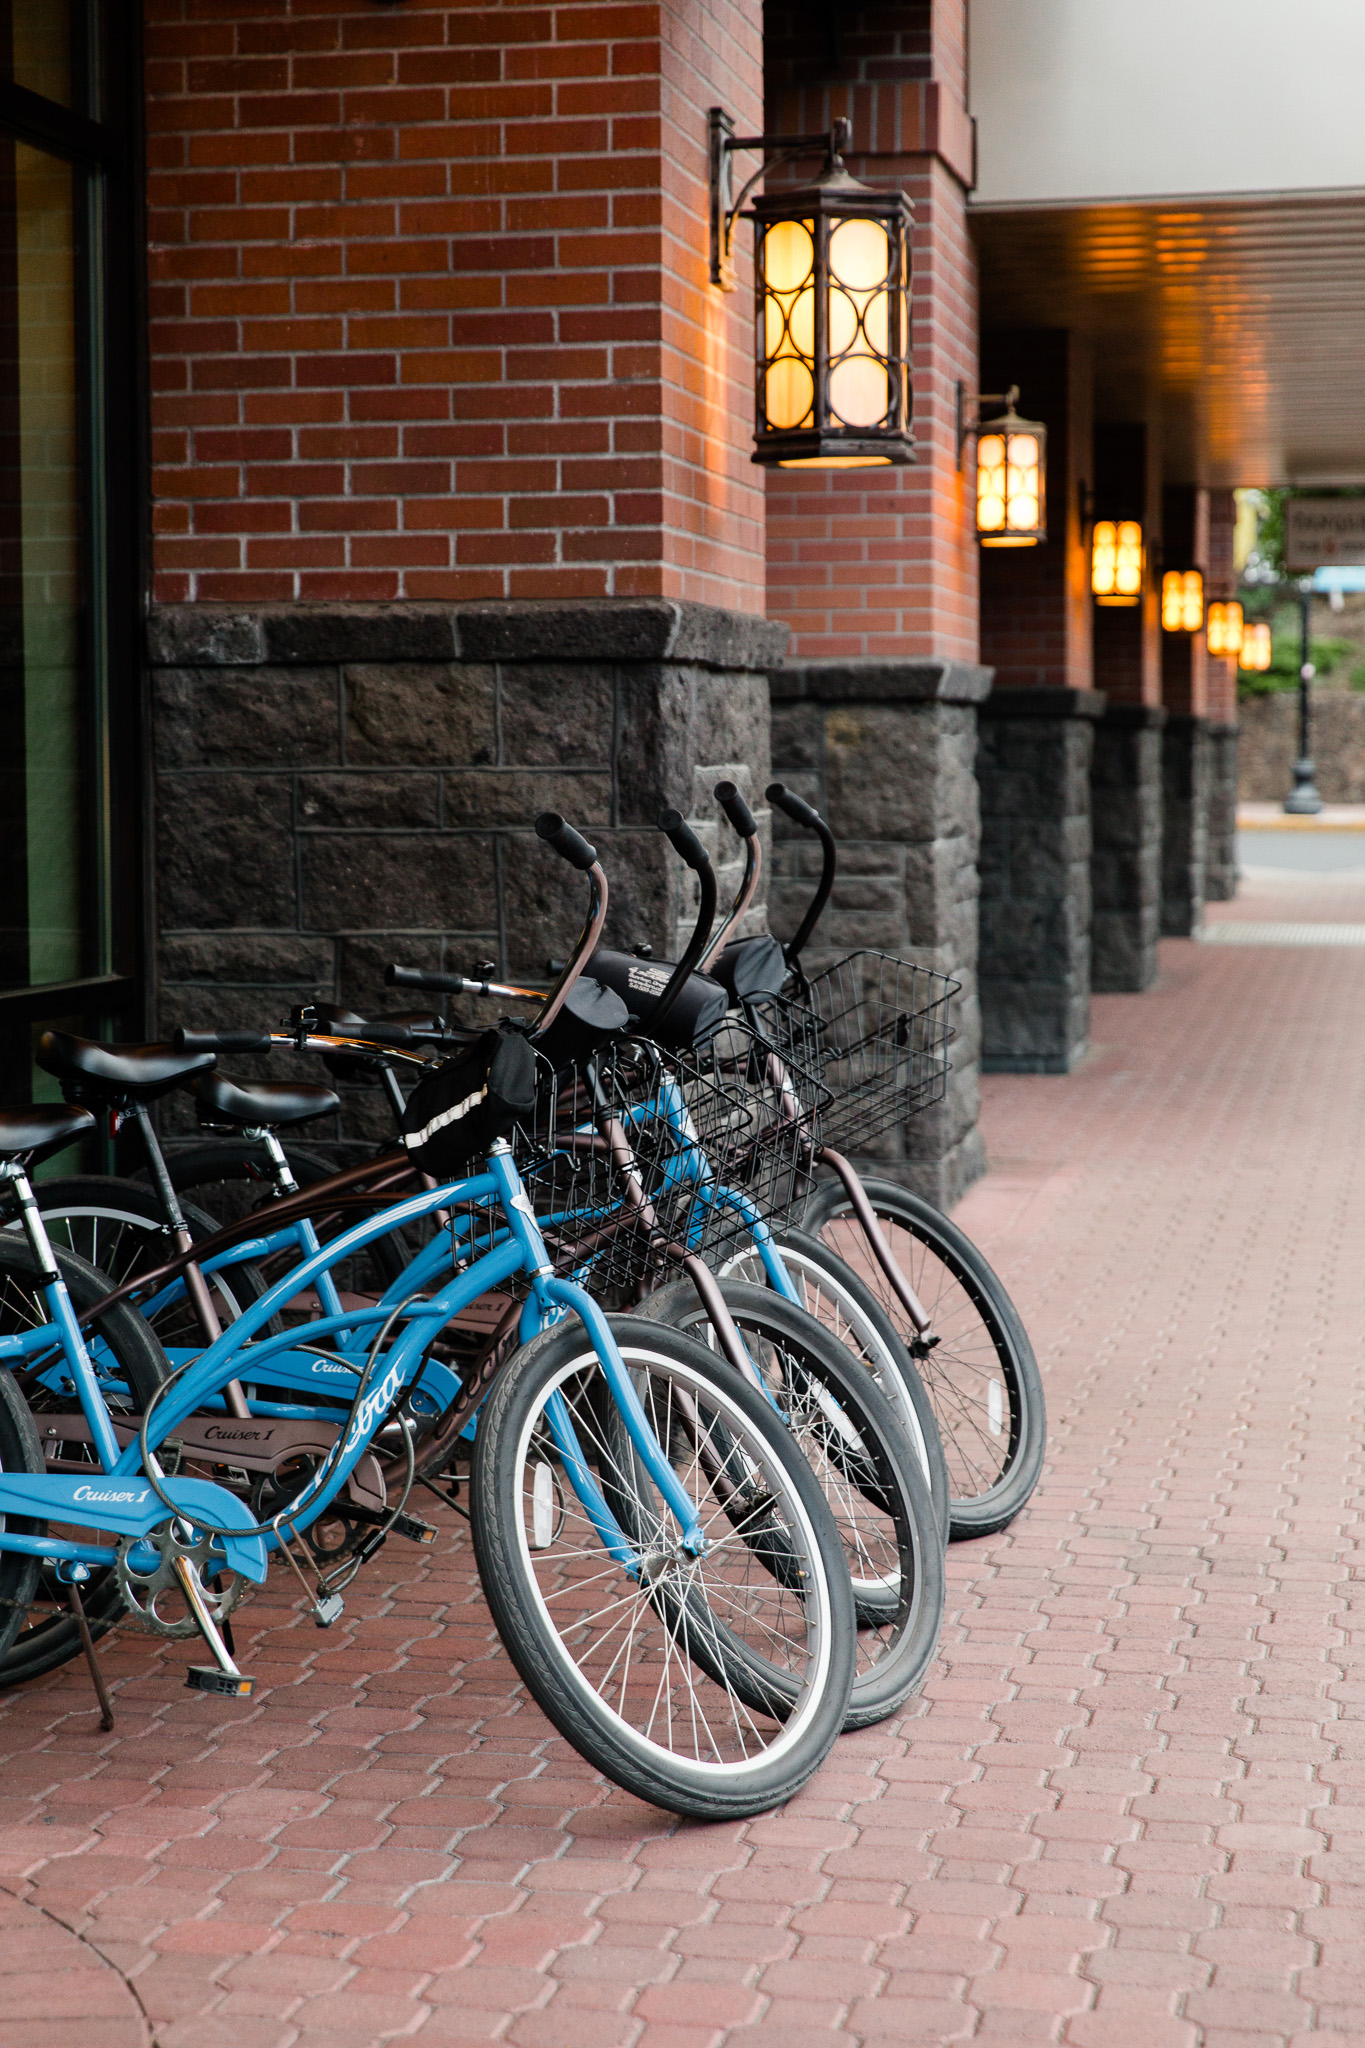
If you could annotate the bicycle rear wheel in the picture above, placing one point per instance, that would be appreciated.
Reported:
(605, 1638)
(979, 1370)
(833, 1294)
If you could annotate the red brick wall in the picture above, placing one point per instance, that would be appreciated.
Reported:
(883, 562)
(430, 316)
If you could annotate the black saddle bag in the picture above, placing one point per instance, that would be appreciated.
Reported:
(456, 1113)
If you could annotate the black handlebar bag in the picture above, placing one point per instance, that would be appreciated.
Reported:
(457, 1112)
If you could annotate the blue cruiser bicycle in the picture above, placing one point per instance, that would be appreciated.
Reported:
(657, 1554)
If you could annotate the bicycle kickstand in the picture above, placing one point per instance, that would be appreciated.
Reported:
(92, 1662)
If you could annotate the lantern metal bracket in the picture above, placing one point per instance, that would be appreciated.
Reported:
(968, 429)
(779, 149)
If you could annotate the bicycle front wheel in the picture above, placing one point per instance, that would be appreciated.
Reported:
(841, 1416)
(976, 1363)
(621, 1634)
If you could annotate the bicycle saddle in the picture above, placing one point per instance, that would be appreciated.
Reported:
(112, 1075)
(40, 1129)
(252, 1105)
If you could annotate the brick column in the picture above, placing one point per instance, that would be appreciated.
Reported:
(432, 328)
(1037, 734)
(886, 751)
(1220, 873)
(1127, 774)
(875, 570)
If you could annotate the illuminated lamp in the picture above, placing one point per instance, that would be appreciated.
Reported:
(1011, 474)
(1255, 651)
(1116, 561)
(1225, 628)
(832, 281)
(1182, 600)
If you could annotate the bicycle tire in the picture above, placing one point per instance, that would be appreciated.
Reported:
(981, 1376)
(873, 1483)
(752, 1767)
(140, 1363)
(832, 1292)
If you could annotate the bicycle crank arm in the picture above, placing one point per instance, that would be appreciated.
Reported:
(222, 1676)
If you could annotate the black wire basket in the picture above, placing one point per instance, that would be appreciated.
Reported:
(638, 1157)
(882, 1030)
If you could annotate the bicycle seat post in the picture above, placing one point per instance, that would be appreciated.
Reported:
(234, 1399)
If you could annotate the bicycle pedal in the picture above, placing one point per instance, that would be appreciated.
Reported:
(415, 1530)
(326, 1611)
(208, 1678)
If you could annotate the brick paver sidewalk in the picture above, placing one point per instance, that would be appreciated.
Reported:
(1129, 1811)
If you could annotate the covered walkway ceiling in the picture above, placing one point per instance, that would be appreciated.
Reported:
(1239, 323)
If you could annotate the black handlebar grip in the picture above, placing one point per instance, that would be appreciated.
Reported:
(570, 845)
(221, 1041)
(795, 806)
(735, 809)
(685, 841)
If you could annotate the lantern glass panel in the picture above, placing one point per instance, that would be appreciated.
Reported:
(1255, 654)
(990, 483)
(860, 255)
(1225, 628)
(1116, 561)
(789, 323)
(1182, 600)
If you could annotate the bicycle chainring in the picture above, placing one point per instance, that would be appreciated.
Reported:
(153, 1595)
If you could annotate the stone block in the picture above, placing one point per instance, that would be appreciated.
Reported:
(556, 715)
(1184, 833)
(224, 851)
(516, 796)
(216, 635)
(249, 959)
(1125, 866)
(361, 632)
(399, 881)
(357, 797)
(418, 715)
(1220, 876)
(362, 960)
(253, 718)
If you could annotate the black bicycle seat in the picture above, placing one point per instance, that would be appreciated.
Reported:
(254, 1105)
(113, 1075)
(40, 1129)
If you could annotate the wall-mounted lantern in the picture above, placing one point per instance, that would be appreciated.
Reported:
(1011, 472)
(1225, 628)
(1182, 600)
(1116, 561)
(1255, 650)
(832, 278)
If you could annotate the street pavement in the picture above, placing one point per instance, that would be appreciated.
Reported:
(1127, 1812)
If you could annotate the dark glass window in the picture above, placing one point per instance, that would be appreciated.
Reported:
(69, 524)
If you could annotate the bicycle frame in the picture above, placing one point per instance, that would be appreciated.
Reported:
(523, 1251)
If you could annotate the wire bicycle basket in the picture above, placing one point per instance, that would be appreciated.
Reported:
(637, 1157)
(881, 1026)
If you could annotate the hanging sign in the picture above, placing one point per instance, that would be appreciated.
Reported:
(1322, 532)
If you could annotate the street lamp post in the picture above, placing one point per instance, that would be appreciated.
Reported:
(1303, 799)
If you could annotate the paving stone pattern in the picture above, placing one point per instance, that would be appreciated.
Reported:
(1128, 1811)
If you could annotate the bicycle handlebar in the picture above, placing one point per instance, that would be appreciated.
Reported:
(806, 814)
(742, 820)
(735, 809)
(568, 844)
(220, 1041)
(686, 842)
(456, 984)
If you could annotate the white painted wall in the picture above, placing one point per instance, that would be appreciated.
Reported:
(1125, 99)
